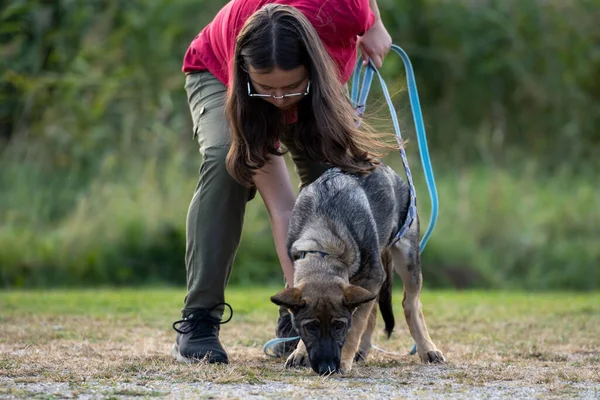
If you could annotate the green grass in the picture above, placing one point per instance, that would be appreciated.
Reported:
(477, 311)
(144, 303)
(117, 342)
(153, 302)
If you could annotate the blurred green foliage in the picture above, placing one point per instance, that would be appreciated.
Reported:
(98, 163)
(504, 80)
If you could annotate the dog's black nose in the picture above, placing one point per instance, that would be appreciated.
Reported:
(327, 368)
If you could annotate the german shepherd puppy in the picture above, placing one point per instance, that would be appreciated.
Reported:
(339, 238)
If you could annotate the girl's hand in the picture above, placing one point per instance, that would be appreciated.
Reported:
(375, 44)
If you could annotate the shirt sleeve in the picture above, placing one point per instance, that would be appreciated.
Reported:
(363, 16)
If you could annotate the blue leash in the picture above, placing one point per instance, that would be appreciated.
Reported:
(359, 103)
(359, 99)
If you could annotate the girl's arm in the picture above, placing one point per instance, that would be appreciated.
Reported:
(275, 188)
(376, 42)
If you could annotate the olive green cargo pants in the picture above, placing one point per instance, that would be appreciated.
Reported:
(216, 212)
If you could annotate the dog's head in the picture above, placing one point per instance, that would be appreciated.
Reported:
(322, 314)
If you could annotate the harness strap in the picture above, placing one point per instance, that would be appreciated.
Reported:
(305, 252)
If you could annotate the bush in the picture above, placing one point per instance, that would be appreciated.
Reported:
(98, 162)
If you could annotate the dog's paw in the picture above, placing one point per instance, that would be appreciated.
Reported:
(345, 367)
(298, 358)
(432, 356)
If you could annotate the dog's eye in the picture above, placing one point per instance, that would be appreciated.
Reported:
(338, 327)
(312, 329)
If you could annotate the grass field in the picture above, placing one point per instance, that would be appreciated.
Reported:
(115, 344)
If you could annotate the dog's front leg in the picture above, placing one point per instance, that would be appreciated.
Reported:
(299, 358)
(359, 324)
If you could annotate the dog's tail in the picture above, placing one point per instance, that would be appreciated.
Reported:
(385, 294)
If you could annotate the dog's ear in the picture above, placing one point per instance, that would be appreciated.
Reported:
(354, 296)
(290, 298)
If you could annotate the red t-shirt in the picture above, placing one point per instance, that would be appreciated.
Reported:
(338, 23)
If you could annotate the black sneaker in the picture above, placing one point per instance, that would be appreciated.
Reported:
(285, 329)
(198, 337)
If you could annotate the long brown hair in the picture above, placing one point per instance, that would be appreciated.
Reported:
(281, 36)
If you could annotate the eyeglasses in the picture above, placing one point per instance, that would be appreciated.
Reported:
(284, 96)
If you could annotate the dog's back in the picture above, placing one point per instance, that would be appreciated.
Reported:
(369, 206)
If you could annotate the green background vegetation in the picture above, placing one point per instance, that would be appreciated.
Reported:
(98, 165)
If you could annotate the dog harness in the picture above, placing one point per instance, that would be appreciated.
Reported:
(304, 253)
